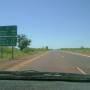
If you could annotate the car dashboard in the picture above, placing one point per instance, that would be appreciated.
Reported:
(34, 80)
(42, 85)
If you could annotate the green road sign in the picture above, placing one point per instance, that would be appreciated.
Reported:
(8, 41)
(8, 30)
(8, 35)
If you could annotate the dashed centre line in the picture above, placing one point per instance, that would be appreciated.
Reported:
(63, 56)
(81, 71)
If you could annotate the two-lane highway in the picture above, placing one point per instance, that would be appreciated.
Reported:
(56, 61)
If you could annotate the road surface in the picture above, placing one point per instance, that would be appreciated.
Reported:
(56, 61)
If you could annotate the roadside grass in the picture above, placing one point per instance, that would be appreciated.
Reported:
(78, 50)
(7, 53)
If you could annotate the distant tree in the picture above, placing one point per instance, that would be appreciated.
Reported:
(46, 47)
(82, 47)
(23, 41)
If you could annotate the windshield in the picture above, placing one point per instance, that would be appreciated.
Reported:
(45, 36)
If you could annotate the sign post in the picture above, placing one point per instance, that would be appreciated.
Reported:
(8, 37)
(1, 49)
(12, 52)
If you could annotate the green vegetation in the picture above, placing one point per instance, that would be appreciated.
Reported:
(7, 52)
(78, 50)
(22, 51)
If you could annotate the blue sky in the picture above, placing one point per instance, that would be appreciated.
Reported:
(56, 23)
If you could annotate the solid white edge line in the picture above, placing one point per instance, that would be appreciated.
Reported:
(81, 71)
(76, 53)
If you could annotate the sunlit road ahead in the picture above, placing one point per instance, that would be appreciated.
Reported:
(57, 61)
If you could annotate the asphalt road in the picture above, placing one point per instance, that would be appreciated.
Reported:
(57, 61)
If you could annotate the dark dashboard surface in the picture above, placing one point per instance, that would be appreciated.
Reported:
(42, 85)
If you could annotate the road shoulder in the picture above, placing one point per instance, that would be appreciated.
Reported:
(5, 65)
(74, 53)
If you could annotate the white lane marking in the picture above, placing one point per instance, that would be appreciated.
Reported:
(20, 65)
(62, 56)
(76, 53)
(81, 71)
